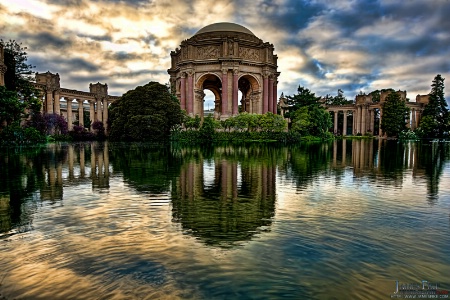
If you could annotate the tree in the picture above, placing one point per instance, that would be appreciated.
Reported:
(339, 99)
(304, 97)
(308, 116)
(11, 109)
(148, 112)
(435, 117)
(18, 76)
(311, 120)
(395, 113)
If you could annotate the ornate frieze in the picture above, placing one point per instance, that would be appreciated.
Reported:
(249, 53)
(208, 52)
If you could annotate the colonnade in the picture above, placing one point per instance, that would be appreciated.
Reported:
(364, 117)
(96, 100)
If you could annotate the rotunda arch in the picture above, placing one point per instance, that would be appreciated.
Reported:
(250, 89)
(212, 82)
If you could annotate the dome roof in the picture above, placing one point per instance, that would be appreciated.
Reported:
(224, 26)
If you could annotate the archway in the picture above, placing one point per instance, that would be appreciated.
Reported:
(249, 87)
(213, 84)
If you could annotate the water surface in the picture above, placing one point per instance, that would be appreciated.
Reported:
(337, 220)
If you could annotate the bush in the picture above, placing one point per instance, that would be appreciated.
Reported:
(81, 134)
(14, 134)
(408, 135)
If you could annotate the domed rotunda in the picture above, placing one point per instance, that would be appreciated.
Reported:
(225, 58)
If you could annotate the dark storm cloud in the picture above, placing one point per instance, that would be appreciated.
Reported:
(292, 16)
(121, 56)
(43, 40)
(63, 65)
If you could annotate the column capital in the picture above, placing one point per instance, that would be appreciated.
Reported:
(183, 75)
(224, 71)
(190, 73)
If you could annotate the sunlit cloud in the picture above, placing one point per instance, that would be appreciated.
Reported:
(323, 45)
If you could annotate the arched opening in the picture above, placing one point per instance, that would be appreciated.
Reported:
(249, 88)
(209, 89)
(209, 103)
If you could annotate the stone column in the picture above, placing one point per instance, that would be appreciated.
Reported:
(265, 93)
(372, 120)
(57, 106)
(183, 91)
(270, 100)
(99, 116)
(344, 130)
(335, 121)
(49, 101)
(80, 113)
(69, 113)
(363, 119)
(190, 100)
(91, 113)
(224, 92)
(235, 92)
(413, 117)
(275, 99)
(105, 112)
(358, 125)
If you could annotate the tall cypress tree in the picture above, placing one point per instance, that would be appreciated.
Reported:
(395, 113)
(435, 114)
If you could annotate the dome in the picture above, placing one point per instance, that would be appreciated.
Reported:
(224, 27)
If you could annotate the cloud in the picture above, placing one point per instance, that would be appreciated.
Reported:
(323, 45)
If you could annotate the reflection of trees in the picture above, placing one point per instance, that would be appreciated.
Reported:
(432, 159)
(26, 170)
(306, 160)
(145, 167)
(239, 201)
(391, 162)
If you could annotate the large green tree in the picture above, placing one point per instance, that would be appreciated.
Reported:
(395, 114)
(435, 117)
(307, 114)
(11, 109)
(304, 97)
(148, 112)
(18, 76)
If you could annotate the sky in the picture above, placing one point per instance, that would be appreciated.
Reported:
(323, 45)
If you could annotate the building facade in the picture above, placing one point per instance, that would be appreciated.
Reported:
(225, 58)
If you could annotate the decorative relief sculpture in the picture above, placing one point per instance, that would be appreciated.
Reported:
(230, 47)
(208, 52)
(248, 53)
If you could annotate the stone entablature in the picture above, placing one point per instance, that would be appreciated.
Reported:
(225, 58)
(97, 98)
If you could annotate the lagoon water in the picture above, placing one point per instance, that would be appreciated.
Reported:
(337, 220)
